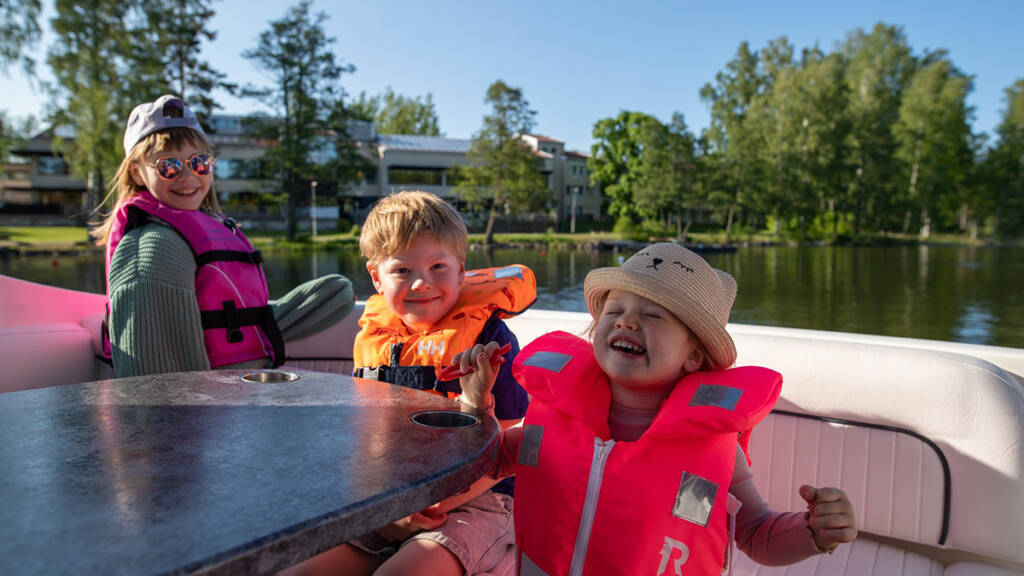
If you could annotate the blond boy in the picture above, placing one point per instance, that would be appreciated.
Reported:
(426, 310)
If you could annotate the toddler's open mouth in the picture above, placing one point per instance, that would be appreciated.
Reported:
(627, 347)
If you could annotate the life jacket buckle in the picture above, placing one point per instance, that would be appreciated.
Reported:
(231, 323)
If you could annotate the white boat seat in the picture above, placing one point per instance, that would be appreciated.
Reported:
(928, 445)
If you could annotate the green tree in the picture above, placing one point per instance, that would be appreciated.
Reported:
(364, 107)
(296, 54)
(396, 114)
(97, 83)
(666, 187)
(879, 67)
(803, 122)
(1004, 166)
(933, 139)
(503, 174)
(180, 27)
(615, 159)
(19, 31)
(733, 137)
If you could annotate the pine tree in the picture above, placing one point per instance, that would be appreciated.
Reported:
(296, 53)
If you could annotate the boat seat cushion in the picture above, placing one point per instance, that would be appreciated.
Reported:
(327, 351)
(40, 355)
(861, 557)
(976, 569)
(968, 409)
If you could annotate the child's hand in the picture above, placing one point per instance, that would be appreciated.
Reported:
(831, 516)
(402, 530)
(482, 364)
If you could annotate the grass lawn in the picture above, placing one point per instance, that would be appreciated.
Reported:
(67, 236)
(45, 235)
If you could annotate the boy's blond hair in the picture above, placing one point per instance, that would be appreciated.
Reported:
(400, 218)
(124, 186)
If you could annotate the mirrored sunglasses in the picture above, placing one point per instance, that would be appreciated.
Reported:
(170, 167)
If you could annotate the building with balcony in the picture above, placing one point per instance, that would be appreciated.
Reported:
(43, 183)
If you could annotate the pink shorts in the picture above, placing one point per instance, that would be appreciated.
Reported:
(479, 533)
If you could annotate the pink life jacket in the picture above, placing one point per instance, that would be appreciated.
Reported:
(586, 504)
(231, 290)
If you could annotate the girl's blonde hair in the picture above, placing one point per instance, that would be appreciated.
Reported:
(400, 218)
(124, 186)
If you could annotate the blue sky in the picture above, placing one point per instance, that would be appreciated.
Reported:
(578, 62)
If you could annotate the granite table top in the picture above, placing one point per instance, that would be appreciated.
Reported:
(205, 472)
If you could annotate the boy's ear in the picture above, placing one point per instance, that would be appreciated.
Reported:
(462, 271)
(373, 276)
(695, 360)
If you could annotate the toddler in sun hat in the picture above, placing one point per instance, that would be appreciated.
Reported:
(684, 284)
(650, 401)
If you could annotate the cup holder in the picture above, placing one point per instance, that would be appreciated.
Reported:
(444, 419)
(270, 377)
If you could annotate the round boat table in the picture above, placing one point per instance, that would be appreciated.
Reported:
(220, 471)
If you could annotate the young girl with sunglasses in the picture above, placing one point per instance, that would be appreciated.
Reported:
(186, 289)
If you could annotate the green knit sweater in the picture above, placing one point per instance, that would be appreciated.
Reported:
(154, 317)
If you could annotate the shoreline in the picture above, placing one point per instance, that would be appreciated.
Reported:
(9, 249)
(16, 242)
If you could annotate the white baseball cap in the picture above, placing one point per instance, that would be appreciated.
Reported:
(166, 112)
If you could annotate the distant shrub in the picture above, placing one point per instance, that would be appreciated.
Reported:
(624, 225)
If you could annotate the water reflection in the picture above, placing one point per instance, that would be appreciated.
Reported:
(958, 293)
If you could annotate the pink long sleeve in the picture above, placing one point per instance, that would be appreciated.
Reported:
(769, 538)
(508, 451)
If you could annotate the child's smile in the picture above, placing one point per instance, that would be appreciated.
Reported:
(184, 192)
(625, 345)
(421, 283)
(643, 348)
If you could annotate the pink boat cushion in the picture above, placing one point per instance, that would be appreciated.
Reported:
(40, 355)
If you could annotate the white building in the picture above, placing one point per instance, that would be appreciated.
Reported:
(399, 162)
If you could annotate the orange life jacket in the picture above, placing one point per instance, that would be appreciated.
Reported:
(386, 350)
(586, 504)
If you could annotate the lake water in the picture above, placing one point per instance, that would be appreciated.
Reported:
(954, 293)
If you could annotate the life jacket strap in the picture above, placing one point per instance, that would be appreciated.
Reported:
(255, 257)
(415, 377)
(232, 319)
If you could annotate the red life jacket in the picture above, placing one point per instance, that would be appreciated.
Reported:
(586, 504)
(386, 350)
(231, 290)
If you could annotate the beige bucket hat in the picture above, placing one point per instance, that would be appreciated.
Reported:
(680, 281)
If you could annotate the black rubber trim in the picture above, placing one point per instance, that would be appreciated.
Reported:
(947, 477)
